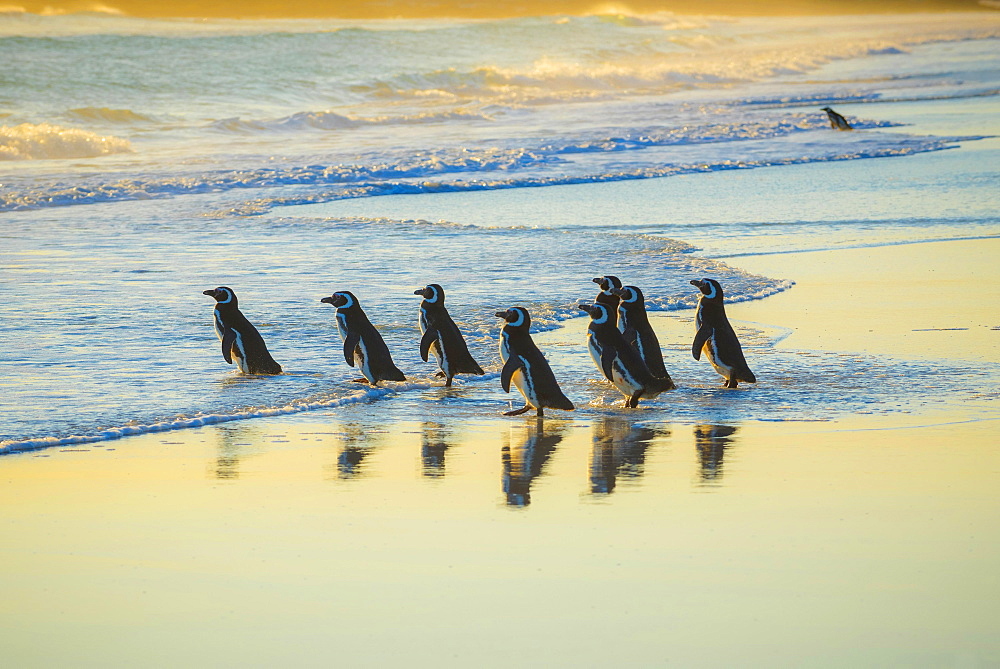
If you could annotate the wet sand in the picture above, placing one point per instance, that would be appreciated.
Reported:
(336, 537)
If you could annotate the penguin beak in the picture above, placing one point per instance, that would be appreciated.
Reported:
(419, 292)
(208, 292)
(327, 300)
(620, 292)
(503, 314)
(598, 280)
(424, 293)
(697, 283)
(587, 308)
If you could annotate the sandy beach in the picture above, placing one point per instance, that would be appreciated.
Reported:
(332, 537)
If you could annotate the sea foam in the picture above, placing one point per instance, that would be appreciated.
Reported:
(45, 141)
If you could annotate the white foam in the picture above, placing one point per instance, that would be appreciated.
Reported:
(45, 141)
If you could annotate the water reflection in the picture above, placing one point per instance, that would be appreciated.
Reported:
(434, 444)
(711, 442)
(357, 441)
(524, 454)
(619, 450)
(232, 440)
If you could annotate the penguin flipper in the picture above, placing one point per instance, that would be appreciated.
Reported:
(608, 362)
(350, 343)
(507, 373)
(700, 338)
(430, 336)
(228, 339)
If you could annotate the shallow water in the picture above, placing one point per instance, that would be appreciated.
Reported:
(425, 165)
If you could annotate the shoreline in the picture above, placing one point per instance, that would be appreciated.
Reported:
(947, 326)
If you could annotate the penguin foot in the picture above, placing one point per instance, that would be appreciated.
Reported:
(541, 413)
(440, 375)
(447, 383)
(633, 401)
(731, 383)
(361, 380)
(518, 412)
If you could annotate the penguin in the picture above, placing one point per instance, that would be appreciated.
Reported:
(363, 345)
(618, 360)
(634, 324)
(716, 336)
(525, 365)
(239, 337)
(837, 122)
(440, 336)
(608, 284)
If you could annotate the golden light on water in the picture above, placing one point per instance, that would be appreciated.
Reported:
(373, 9)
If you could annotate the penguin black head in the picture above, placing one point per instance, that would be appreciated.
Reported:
(630, 295)
(710, 288)
(826, 109)
(341, 299)
(516, 317)
(432, 292)
(222, 295)
(598, 312)
(608, 284)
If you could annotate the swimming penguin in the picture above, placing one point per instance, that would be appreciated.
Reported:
(837, 122)
(634, 324)
(716, 336)
(608, 284)
(239, 337)
(442, 337)
(525, 365)
(618, 360)
(363, 345)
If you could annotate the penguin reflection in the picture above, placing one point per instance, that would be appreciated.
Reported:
(711, 442)
(232, 441)
(357, 441)
(524, 456)
(619, 450)
(434, 444)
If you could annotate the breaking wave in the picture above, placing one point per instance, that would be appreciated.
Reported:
(45, 141)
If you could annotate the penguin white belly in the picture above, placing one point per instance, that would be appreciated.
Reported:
(711, 350)
(595, 352)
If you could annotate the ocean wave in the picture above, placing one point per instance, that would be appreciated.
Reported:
(45, 141)
(385, 174)
(327, 120)
(105, 115)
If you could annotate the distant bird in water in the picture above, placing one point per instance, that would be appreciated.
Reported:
(442, 337)
(525, 365)
(363, 345)
(716, 337)
(240, 339)
(837, 122)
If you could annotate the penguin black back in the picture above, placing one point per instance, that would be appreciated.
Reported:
(240, 339)
(363, 344)
(716, 337)
(633, 323)
(441, 336)
(609, 284)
